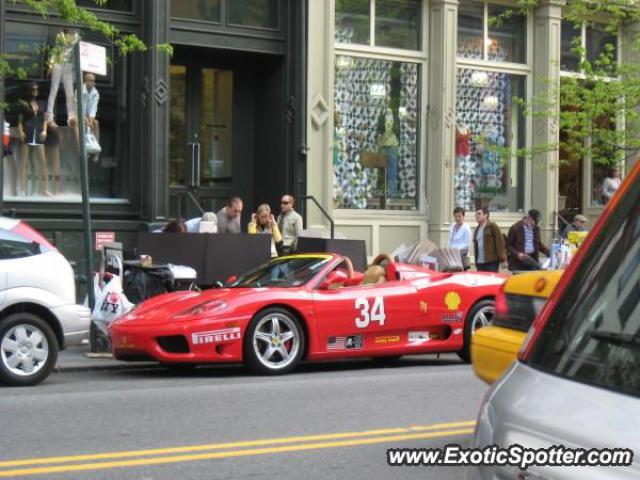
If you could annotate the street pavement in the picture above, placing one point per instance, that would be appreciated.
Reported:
(326, 420)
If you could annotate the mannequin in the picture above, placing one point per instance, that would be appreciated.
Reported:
(62, 69)
(465, 169)
(32, 130)
(388, 144)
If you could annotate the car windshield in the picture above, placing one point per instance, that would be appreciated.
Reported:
(593, 336)
(14, 245)
(286, 272)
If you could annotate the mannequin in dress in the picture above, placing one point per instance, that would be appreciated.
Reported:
(8, 154)
(388, 144)
(32, 131)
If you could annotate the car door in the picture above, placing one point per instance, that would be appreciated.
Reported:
(357, 320)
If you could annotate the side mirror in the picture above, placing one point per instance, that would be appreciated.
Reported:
(334, 279)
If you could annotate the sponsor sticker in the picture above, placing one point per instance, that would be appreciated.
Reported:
(452, 317)
(452, 300)
(216, 336)
(423, 306)
(457, 331)
(125, 342)
(351, 342)
(387, 339)
(419, 337)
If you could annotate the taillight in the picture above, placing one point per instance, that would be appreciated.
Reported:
(502, 308)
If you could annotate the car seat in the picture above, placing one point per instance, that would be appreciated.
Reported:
(373, 275)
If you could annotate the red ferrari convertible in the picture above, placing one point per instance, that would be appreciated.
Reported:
(313, 307)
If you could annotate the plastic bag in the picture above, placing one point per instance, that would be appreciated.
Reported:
(91, 144)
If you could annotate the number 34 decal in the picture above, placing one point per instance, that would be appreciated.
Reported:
(368, 315)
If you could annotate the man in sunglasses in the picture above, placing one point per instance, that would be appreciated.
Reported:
(290, 224)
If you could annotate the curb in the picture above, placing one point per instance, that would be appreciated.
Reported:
(125, 366)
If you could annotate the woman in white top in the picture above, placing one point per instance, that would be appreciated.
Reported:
(611, 184)
(460, 236)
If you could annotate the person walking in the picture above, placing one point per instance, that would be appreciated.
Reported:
(524, 243)
(488, 243)
(290, 224)
(460, 236)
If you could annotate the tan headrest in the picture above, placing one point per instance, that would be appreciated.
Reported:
(374, 274)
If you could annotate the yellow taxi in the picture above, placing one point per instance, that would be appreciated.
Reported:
(494, 348)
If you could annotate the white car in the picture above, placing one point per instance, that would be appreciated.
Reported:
(38, 311)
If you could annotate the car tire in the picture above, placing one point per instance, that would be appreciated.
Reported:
(265, 351)
(477, 317)
(27, 342)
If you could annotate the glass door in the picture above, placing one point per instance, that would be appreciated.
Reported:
(200, 137)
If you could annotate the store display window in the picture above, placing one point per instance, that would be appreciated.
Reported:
(375, 141)
(490, 128)
(43, 152)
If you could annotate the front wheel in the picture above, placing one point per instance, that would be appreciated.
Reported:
(28, 350)
(274, 342)
(480, 315)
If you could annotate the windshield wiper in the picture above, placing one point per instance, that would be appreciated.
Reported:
(618, 339)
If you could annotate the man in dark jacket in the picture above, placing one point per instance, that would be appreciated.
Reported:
(524, 244)
(488, 244)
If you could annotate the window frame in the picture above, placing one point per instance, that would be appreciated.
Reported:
(419, 57)
(522, 69)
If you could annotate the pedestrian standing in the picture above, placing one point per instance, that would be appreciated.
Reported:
(488, 243)
(460, 236)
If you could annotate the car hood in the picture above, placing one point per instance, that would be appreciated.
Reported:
(181, 306)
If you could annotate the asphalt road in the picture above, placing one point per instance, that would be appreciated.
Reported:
(330, 420)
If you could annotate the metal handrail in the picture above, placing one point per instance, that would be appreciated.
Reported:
(324, 212)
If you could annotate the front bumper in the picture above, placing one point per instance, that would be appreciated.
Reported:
(133, 343)
(75, 321)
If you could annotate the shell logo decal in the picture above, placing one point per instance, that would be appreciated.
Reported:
(452, 300)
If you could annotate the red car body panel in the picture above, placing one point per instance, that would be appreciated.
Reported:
(214, 322)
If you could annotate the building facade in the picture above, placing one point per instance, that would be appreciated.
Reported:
(412, 113)
(389, 112)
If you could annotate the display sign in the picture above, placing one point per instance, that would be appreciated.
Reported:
(104, 238)
(93, 58)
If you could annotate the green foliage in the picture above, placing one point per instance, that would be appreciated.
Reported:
(597, 110)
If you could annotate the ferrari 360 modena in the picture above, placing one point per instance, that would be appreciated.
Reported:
(311, 307)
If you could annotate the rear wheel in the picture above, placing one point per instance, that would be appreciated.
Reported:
(28, 349)
(274, 342)
(480, 315)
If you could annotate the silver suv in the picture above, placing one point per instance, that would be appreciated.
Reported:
(577, 379)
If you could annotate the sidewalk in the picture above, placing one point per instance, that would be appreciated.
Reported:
(79, 358)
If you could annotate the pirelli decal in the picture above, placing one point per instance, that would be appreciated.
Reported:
(216, 336)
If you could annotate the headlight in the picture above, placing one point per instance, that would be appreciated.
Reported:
(202, 308)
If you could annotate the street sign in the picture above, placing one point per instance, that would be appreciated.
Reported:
(93, 58)
(102, 238)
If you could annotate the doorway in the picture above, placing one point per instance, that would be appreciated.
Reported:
(225, 130)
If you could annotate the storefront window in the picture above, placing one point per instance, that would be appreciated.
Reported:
(569, 58)
(120, 5)
(208, 10)
(398, 24)
(376, 133)
(41, 111)
(506, 32)
(253, 13)
(471, 30)
(353, 21)
(507, 35)
(490, 127)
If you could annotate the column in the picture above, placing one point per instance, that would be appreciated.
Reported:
(320, 108)
(154, 96)
(546, 82)
(440, 125)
